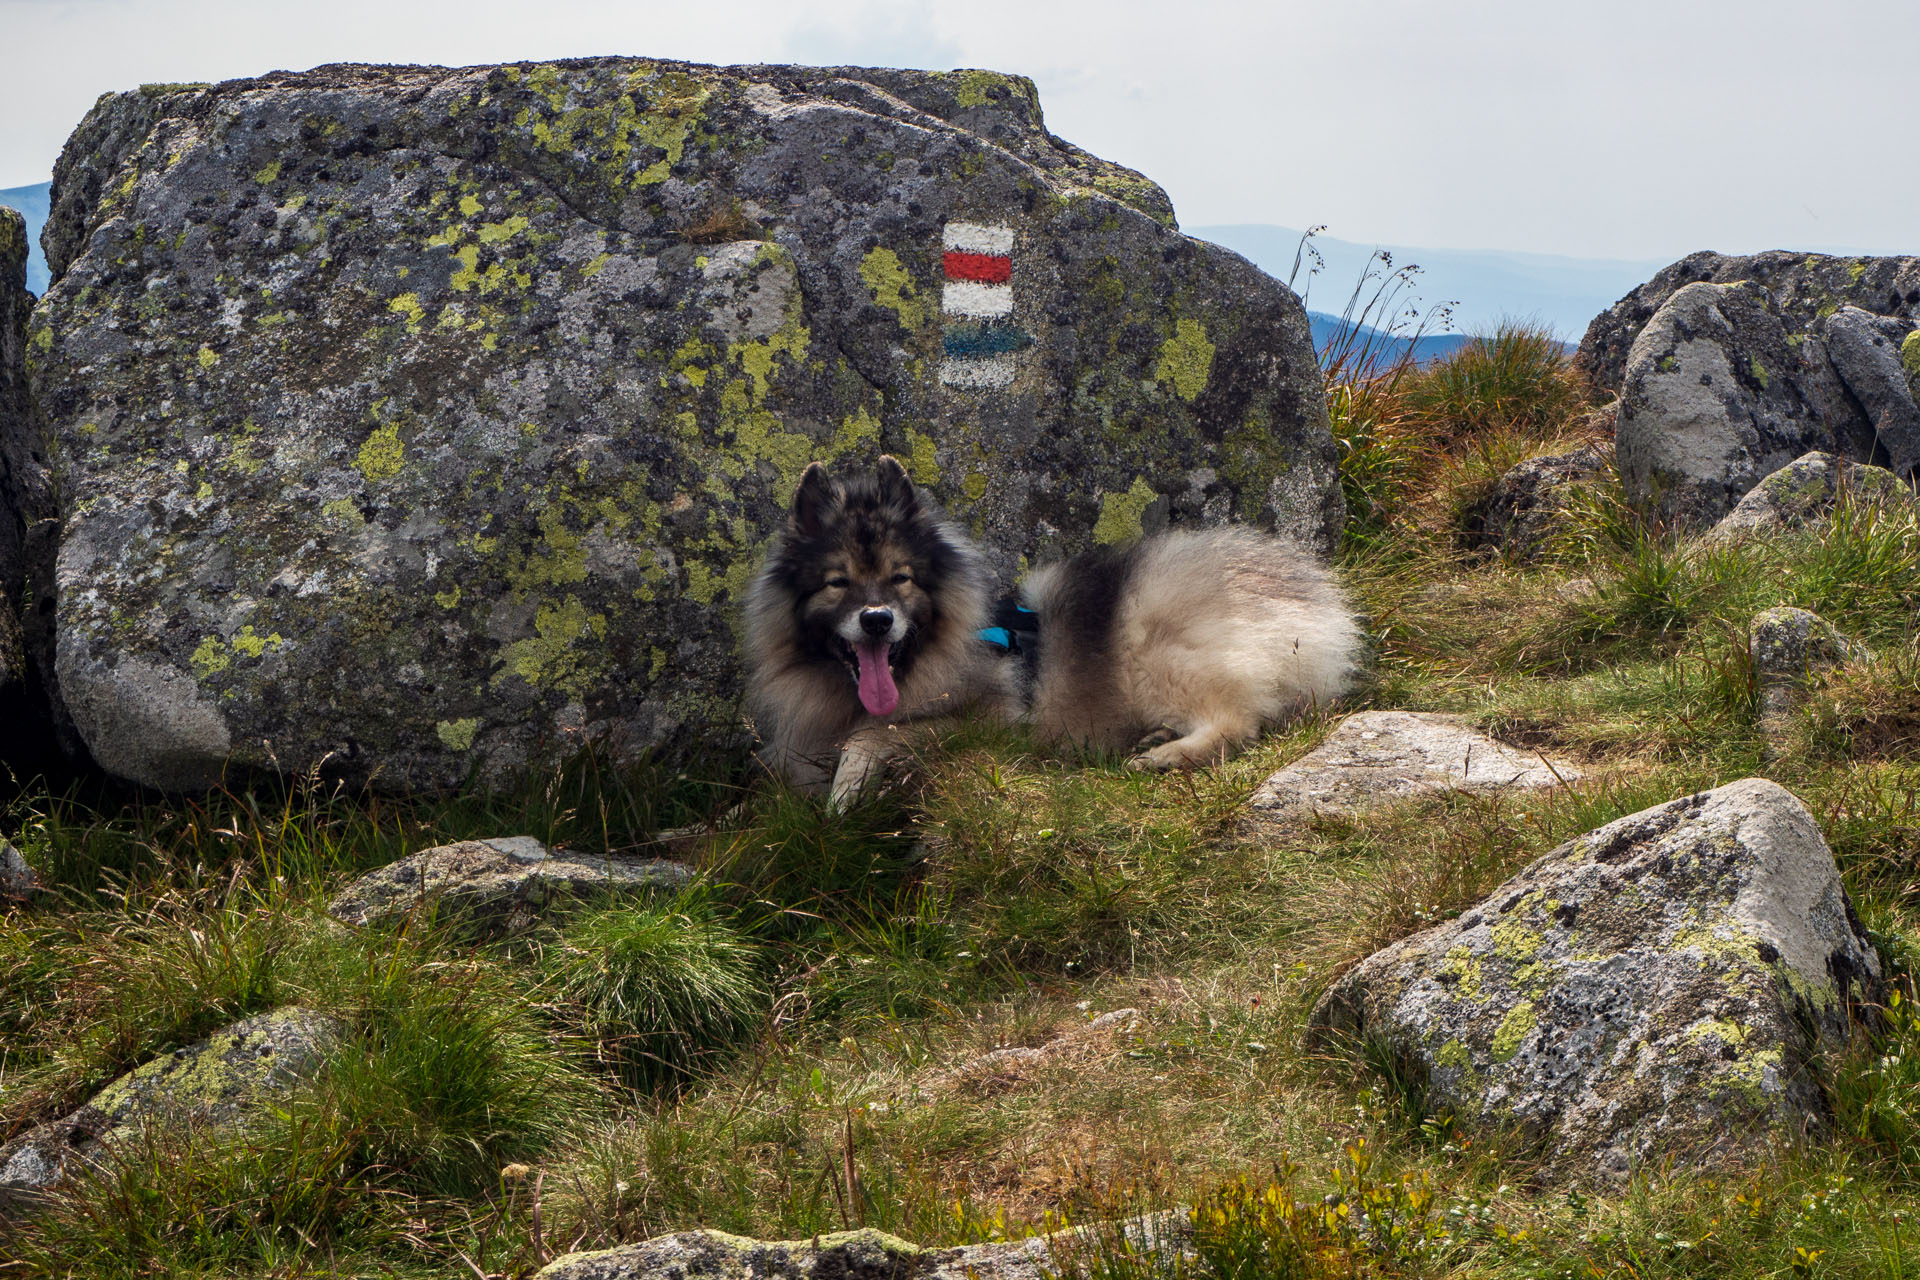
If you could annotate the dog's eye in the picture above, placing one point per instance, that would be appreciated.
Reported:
(900, 579)
(839, 582)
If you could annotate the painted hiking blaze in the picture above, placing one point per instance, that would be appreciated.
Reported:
(979, 338)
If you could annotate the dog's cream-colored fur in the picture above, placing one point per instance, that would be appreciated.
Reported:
(1219, 632)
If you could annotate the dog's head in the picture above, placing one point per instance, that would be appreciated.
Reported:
(864, 561)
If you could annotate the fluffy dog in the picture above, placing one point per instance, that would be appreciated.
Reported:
(868, 616)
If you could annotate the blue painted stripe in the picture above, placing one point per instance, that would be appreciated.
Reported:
(984, 339)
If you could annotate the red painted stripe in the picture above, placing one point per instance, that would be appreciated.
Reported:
(987, 268)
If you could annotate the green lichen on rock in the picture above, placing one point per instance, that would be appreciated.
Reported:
(1694, 943)
(490, 426)
(1910, 354)
(1513, 1032)
(1186, 359)
(1121, 513)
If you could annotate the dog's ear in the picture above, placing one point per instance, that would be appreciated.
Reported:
(816, 502)
(896, 486)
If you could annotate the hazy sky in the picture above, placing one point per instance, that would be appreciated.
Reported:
(1600, 128)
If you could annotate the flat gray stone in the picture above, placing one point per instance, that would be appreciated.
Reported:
(215, 1081)
(502, 884)
(863, 1255)
(1659, 986)
(1376, 757)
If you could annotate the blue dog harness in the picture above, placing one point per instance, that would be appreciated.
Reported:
(1015, 629)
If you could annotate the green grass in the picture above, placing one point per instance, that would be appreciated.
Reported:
(795, 1045)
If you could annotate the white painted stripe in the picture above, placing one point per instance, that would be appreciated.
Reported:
(976, 301)
(992, 371)
(979, 237)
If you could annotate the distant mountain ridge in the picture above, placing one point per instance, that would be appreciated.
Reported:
(33, 203)
(1483, 286)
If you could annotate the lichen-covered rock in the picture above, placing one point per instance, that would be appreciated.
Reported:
(1518, 518)
(501, 885)
(866, 1255)
(1865, 352)
(1786, 647)
(1805, 286)
(1378, 757)
(1807, 489)
(1715, 400)
(422, 420)
(213, 1082)
(1647, 988)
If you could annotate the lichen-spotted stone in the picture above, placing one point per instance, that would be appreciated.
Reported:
(475, 394)
(1657, 987)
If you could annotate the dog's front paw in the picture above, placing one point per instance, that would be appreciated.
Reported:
(1152, 762)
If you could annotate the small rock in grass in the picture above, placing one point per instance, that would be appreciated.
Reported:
(17, 878)
(1518, 518)
(1805, 490)
(501, 884)
(215, 1081)
(873, 1255)
(1657, 987)
(1375, 757)
(1787, 647)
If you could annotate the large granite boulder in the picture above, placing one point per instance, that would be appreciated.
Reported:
(1805, 286)
(1660, 985)
(419, 420)
(1715, 400)
(217, 1081)
(1865, 351)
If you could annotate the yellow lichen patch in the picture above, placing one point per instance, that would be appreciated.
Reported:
(457, 735)
(883, 272)
(975, 485)
(860, 428)
(1120, 513)
(408, 305)
(210, 658)
(1186, 359)
(1909, 353)
(922, 464)
(252, 644)
(1452, 1054)
(550, 659)
(495, 232)
(448, 599)
(470, 205)
(1464, 968)
(381, 455)
(343, 511)
(269, 172)
(208, 357)
(1513, 1031)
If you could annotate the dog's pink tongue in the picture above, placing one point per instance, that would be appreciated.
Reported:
(877, 692)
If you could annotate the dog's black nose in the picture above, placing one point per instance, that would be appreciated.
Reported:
(876, 622)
